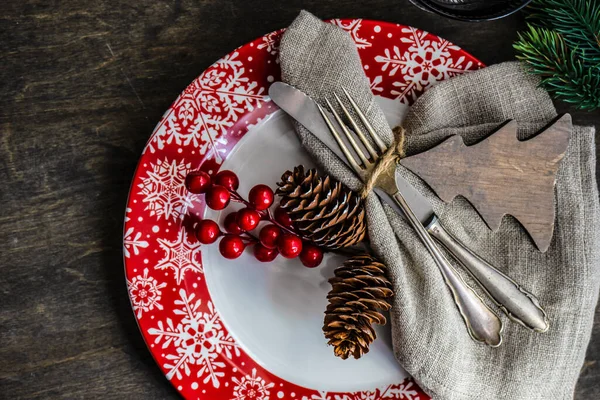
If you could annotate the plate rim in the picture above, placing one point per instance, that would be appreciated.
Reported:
(127, 263)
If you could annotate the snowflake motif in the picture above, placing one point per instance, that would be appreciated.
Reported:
(425, 63)
(164, 189)
(180, 256)
(320, 395)
(210, 141)
(357, 396)
(186, 113)
(145, 293)
(352, 27)
(195, 343)
(202, 115)
(374, 84)
(251, 387)
(133, 242)
(403, 391)
(270, 43)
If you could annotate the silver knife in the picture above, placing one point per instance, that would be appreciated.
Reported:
(517, 303)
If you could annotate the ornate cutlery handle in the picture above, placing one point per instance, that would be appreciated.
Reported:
(483, 325)
(517, 303)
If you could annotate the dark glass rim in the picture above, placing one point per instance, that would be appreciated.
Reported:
(494, 12)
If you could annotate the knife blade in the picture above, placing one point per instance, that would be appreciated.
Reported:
(305, 111)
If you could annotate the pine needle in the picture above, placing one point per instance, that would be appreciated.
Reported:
(562, 45)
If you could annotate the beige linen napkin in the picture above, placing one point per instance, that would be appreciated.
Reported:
(429, 337)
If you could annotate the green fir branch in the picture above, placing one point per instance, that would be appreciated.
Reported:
(578, 21)
(562, 71)
(562, 45)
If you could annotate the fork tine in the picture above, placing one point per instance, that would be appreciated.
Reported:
(340, 142)
(349, 136)
(366, 123)
(357, 129)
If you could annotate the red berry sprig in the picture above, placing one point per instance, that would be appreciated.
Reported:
(231, 246)
(197, 182)
(277, 237)
(208, 231)
(269, 235)
(311, 256)
(289, 245)
(248, 219)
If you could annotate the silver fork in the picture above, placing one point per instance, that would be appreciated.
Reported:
(482, 323)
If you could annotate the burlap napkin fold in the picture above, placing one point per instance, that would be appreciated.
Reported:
(429, 336)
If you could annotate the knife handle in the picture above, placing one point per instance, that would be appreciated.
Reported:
(517, 303)
(482, 323)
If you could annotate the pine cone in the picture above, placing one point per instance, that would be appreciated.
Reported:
(323, 210)
(360, 288)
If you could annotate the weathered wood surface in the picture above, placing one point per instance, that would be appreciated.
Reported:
(492, 173)
(82, 84)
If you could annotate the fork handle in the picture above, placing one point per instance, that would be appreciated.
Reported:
(517, 303)
(482, 323)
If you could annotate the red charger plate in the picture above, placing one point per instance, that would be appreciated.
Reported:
(163, 262)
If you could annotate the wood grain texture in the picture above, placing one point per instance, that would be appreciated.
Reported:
(82, 84)
(501, 175)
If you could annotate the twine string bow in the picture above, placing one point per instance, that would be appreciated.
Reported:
(391, 156)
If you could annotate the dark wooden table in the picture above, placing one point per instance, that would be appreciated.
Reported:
(83, 82)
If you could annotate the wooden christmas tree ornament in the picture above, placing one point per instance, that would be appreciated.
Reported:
(501, 175)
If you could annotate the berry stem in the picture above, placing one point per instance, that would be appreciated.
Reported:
(235, 196)
(272, 220)
(250, 237)
(265, 215)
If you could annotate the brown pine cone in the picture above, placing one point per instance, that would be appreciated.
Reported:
(323, 210)
(360, 288)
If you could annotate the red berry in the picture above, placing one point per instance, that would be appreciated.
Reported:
(282, 217)
(231, 225)
(231, 246)
(264, 254)
(268, 236)
(311, 256)
(217, 197)
(207, 231)
(261, 197)
(228, 179)
(197, 182)
(248, 219)
(289, 245)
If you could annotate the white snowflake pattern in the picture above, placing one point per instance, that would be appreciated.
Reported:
(133, 242)
(251, 387)
(196, 343)
(270, 43)
(320, 395)
(145, 293)
(164, 189)
(423, 64)
(374, 84)
(209, 138)
(352, 27)
(404, 391)
(357, 396)
(180, 256)
(202, 115)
